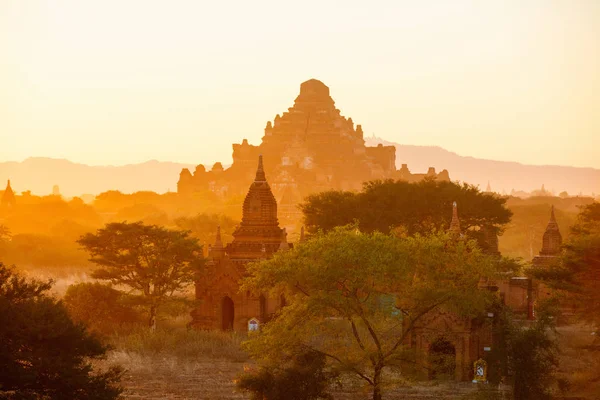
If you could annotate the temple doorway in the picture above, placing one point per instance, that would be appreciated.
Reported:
(442, 359)
(227, 314)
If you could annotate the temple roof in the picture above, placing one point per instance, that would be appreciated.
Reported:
(259, 227)
(260, 171)
(552, 240)
(455, 223)
(314, 90)
(260, 206)
(8, 197)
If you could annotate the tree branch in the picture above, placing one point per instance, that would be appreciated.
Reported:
(353, 369)
(412, 325)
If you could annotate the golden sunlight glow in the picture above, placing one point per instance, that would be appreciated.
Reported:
(116, 82)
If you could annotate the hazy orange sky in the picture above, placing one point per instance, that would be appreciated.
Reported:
(123, 81)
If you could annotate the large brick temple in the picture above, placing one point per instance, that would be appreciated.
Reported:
(309, 148)
(440, 333)
(257, 237)
(467, 340)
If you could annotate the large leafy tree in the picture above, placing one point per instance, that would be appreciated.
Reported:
(43, 353)
(154, 262)
(101, 308)
(528, 351)
(416, 207)
(577, 276)
(356, 297)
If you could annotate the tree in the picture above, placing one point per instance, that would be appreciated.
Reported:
(526, 352)
(356, 297)
(533, 360)
(5, 237)
(101, 308)
(302, 378)
(416, 207)
(43, 353)
(156, 263)
(4, 233)
(577, 276)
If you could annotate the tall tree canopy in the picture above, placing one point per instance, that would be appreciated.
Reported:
(416, 207)
(355, 297)
(43, 353)
(154, 262)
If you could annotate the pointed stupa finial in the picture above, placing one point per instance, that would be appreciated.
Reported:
(8, 198)
(302, 234)
(552, 216)
(455, 223)
(488, 189)
(283, 246)
(218, 242)
(260, 171)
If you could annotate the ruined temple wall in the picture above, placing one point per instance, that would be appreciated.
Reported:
(385, 156)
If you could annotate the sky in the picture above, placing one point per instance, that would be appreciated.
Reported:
(116, 82)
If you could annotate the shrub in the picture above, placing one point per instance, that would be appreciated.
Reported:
(304, 378)
(101, 308)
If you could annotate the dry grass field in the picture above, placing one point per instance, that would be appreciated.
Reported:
(175, 363)
(580, 361)
(179, 364)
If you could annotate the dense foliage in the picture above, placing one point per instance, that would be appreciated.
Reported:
(578, 275)
(155, 262)
(45, 228)
(526, 353)
(101, 308)
(533, 361)
(415, 207)
(43, 353)
(355, 297)
(304, 377)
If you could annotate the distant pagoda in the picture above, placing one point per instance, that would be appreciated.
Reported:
(8, 197)
(551, 244)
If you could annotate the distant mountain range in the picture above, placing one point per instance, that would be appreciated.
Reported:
(502, 175)
(40, 174)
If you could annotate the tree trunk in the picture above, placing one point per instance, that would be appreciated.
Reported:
(152, 320)
(377, 383)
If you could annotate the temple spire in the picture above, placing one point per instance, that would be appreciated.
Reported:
(552, 239)
(455, 223)
(8, 198)
(260, 172)
(218, 242)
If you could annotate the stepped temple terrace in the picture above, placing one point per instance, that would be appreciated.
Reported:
(309, 148)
